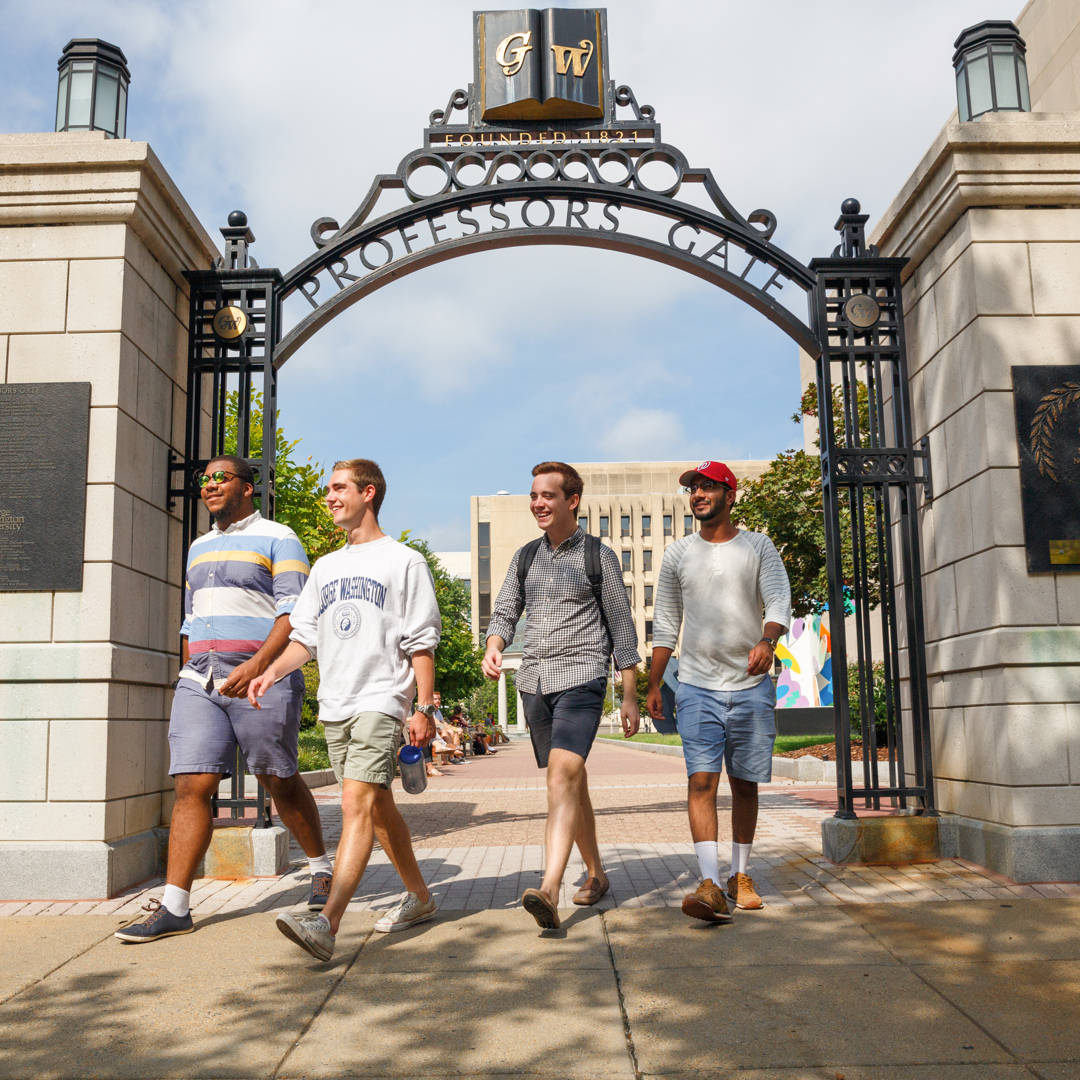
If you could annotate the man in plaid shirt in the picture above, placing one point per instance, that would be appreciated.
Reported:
(563, 675)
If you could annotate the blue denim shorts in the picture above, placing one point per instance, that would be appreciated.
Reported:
(736, 728)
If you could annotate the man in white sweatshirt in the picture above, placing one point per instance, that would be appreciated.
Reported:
(368, 614)
(719, 584)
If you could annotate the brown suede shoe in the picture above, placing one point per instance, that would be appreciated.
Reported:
(741, 892)
(707, 902)
(591, 891)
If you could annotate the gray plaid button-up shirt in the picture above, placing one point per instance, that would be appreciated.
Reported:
(565, 641)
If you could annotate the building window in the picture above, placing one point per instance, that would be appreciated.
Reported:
(483, 576)
(648, 629)
(648, 596)
(583, 522)
(688, 523)
(630, 595)
(646, 560)
(627, 561)
(604, 530)
(646, 524)
(667, 524)
(624, 525)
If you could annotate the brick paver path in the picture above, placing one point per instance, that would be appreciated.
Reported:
(478, 833)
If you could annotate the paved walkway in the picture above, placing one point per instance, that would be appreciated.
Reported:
(478, 833)
(827, 983)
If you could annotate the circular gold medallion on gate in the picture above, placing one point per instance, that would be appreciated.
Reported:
(862, 310)
(229, 322)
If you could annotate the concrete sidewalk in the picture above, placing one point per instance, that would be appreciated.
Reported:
(962, 990)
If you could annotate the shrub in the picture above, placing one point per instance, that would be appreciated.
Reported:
(879, 697)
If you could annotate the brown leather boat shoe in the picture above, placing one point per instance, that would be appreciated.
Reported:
(591, 891)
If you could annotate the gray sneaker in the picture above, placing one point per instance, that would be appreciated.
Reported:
(310, 932)
(408, 913)
(161, 923)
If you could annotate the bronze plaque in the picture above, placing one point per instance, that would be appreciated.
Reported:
(44, 434)
(229, 323)
(1047, 400)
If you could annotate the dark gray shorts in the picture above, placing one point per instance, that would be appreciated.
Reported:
(205, 728)
(565, 720)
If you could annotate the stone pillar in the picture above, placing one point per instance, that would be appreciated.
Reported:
(93, 238)
(991, 223)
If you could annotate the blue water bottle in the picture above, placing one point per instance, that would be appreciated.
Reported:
(413, 771)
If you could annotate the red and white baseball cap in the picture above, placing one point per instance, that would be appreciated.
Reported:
(713, 470)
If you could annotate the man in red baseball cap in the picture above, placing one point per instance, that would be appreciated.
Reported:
(728, 591)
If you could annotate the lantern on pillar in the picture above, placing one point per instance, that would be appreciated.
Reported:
(92, 89)
(991, 75)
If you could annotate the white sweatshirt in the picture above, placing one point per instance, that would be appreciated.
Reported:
(721, 591)
(364, 611)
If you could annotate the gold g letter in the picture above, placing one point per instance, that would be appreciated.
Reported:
(512, 65)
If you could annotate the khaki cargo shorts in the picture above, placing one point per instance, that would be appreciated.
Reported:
(363, 747)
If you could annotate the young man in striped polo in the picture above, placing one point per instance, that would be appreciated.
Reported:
(243, 579)
(719, 584)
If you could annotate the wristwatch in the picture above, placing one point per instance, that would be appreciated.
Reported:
(771, 642)
(427, 710)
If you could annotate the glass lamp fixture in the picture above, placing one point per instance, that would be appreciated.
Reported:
(991, 75)
(93, 86)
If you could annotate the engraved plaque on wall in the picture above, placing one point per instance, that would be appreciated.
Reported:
(44, 434)
(1047, 400)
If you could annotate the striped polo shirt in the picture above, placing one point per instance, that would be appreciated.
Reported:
(239, 580)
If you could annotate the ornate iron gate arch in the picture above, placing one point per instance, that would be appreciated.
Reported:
(613, 183)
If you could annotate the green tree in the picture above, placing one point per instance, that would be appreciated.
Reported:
(457, 660)
(485, 699)
(299, 486)
(786, 502)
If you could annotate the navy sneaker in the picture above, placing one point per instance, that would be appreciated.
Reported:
(161, 923)
(320, 891)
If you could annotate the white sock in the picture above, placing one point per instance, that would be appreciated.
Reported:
(708, 859)
(325, 921)
(176, 900)
(740, 858)
(320, 865)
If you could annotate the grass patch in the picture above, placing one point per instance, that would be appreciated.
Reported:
(644, 736)
(797, 742)
(313, 753)
(783, 742)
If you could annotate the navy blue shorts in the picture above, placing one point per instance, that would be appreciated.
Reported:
(565, 720)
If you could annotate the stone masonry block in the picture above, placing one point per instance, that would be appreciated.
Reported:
(130, 607)
(33, 296)
(1053, 225)
(1024, 854)
(143, 263)
(240, 851)
(995, 508)
(1055, 277)
(142, 812)
(64, 242)
(95, 295)
(150, 539)
(24, 751)
(1002, 279)
(94, 358)
(140, 313)
(85, 616)
(1001, 342)
(1016, 744)
(154, 398)
(993, 588)
(939, 603)
(60, 821)
(42, 701)
(1035, 806)
(921, 330)
(947, 741)
(880, 840)
(26, 616)
(1067, 587)
(1072, 729)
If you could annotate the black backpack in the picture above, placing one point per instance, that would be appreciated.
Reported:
(594, 571)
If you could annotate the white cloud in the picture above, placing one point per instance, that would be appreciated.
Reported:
(645, 435)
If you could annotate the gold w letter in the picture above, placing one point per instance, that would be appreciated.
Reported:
(580, 56)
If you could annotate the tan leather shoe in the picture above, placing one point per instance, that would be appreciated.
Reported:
(707, 902)
(741, 892)
(591, 891)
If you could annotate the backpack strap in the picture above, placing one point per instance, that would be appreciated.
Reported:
(526, 555)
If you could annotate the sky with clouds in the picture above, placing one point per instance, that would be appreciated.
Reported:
(458, 378)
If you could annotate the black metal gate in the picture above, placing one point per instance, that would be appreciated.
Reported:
(614, 184)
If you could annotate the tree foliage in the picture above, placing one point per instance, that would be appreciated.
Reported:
(786, 502)
(457, 660)
(484, 700)
(299, 486)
